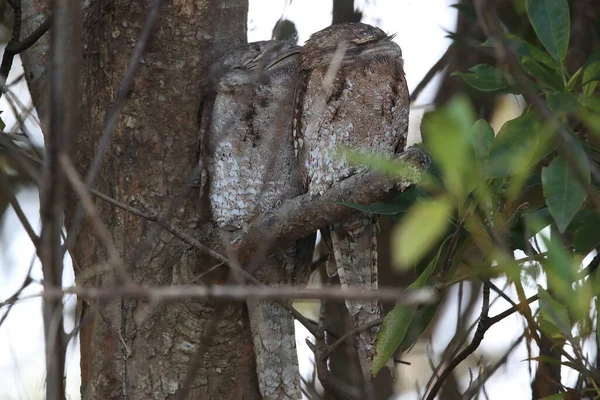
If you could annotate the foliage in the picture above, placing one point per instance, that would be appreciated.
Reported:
(488, 195)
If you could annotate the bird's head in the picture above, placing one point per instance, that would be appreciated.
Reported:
(356, 42)
(247, 65)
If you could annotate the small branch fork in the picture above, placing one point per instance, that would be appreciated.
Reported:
(15, 46)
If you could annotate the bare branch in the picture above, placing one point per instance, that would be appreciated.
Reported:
(478, 383)
(52, 195)
(433, 71)
(114, 259)
(10, 302)
(9, 56)
(113, 113)
(240, 293)
(301, 216)
(353, 332)
(7, 191)
(30, 40)
(333, 387)
(482, 327)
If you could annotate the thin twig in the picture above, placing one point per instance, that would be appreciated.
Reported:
(9, 56)
(332, 386)
(12, 200)
(114, 259)
(164, 223)
(482, 327)
(516, 308)
(439, 281)
(30, 40)
(241, 293)
(308, 324)
(12, 300)
(433, 71)
(113, 113)
(352, 333)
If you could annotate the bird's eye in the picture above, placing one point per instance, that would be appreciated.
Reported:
(362, 39)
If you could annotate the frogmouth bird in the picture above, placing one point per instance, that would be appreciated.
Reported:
(352, 95)
(247, 147)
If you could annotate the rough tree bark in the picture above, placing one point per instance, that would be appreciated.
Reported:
(129, 351)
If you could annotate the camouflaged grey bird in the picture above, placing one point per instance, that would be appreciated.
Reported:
(247, 145)
(352, 95)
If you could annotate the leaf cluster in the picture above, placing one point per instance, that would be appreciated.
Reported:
(490, 193)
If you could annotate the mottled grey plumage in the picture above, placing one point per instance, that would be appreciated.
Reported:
(352, 95)
(247, 145)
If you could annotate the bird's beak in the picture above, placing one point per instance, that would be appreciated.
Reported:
(284, 57)
(259, 62)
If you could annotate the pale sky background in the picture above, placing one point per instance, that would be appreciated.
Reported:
(420, 28)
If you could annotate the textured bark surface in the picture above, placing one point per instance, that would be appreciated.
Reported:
(128, 349)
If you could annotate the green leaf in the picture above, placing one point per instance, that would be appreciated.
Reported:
(553, 313)
(597, 301)
(419, 323)
(482, 137)
(485, 78)
(591, 73)
(537, 220)
(446, 134)
(518, 146)
(592, 119)
(523, 48)
(419, 230)
(592, 103)
(552, 24)
(562, 269)
(587, 234)
(555, 396)
(401, 203)
(382, 163)
(549, 78)
(564, 195)
(397, 325)
(561, 103)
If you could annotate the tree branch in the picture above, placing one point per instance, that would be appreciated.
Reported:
(353, 332)
(19, 47)
(303, 215)
(482, 327)
(9, 56)
(241, 293)
(433, 71)
(52, 193)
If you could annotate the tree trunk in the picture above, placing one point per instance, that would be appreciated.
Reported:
(132, 348)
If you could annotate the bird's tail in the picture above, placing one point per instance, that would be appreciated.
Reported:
(354, 245)
(273, 332)
(275, 350)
